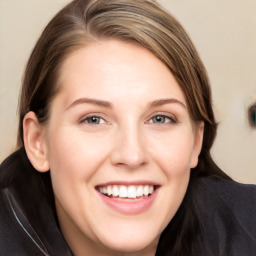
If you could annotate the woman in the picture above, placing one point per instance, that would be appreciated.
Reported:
(115, 131)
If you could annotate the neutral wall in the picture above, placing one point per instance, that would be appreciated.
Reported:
(224, 33)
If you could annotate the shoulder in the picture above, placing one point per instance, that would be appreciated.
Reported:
(232, 193)
(14, 238)
(228, 214)
(28, 225)
(239, 198)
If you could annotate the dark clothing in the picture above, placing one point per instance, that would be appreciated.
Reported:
(28, 223)
(226, 211)
(18, 237)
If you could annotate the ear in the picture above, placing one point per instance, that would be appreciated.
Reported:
(34, 141)
(198, 141)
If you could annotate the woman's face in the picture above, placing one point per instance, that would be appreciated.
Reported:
(120, 144)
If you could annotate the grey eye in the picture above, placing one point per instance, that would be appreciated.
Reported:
(93, 120)
(161, 119)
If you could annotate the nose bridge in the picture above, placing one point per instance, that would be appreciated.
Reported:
(130, 148)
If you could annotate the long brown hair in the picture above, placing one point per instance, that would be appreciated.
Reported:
(148, 24)
(141, 21)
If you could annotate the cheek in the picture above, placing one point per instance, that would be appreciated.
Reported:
(74, 155)
(173, 153)
(172, 157)
(74, 159)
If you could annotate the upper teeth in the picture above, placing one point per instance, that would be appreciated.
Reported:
(127, 191)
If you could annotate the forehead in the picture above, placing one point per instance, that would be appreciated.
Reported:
(115, 68)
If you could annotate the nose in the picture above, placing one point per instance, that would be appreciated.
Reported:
(129, 149)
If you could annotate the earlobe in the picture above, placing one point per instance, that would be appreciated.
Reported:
(199, 134)
(34, 141)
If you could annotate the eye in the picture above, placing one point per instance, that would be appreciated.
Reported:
(93, 120)
(162, 119)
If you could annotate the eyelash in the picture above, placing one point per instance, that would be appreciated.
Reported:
(172, 120)
(88, 118)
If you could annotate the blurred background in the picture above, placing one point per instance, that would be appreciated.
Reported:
(224, 33)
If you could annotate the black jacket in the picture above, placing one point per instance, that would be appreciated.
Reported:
(226, 210)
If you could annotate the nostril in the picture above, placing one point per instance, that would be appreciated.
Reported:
(252, 115)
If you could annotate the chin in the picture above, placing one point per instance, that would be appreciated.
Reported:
(127, 243)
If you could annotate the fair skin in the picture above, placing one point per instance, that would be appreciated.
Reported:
(119, 119)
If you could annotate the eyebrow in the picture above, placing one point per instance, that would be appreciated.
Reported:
(107, 104)
(96, 102)
(161, 102)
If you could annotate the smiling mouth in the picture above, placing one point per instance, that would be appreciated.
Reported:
(131, 192)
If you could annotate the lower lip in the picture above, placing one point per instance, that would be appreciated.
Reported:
(129, 207)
